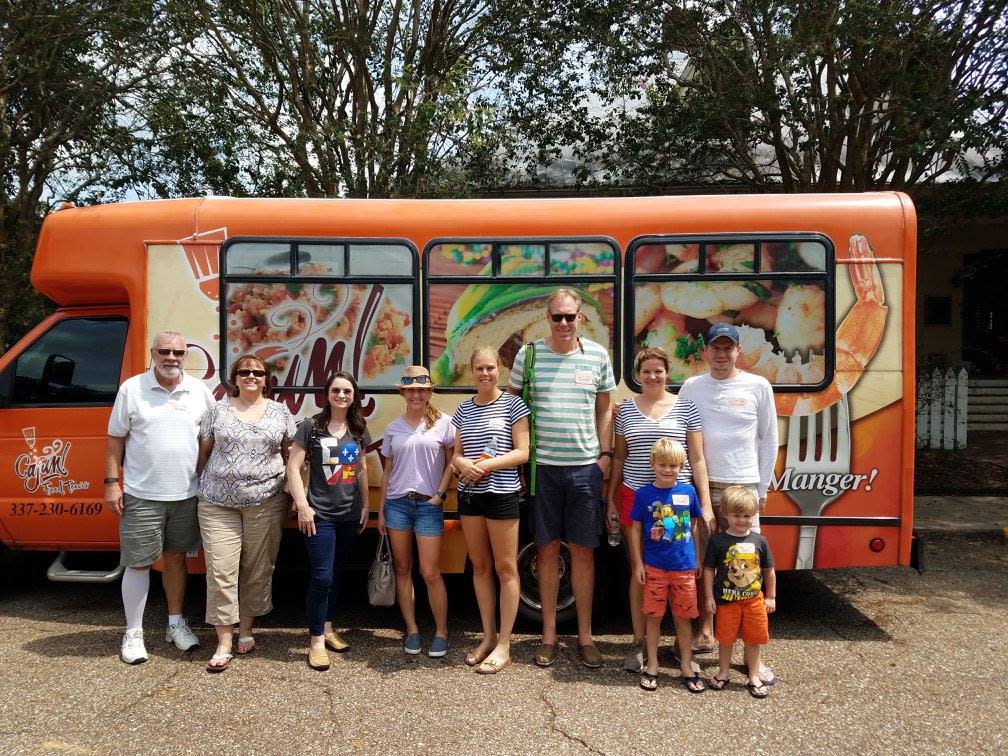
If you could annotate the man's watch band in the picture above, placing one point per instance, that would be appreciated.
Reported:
(606, 454)
(111, 480)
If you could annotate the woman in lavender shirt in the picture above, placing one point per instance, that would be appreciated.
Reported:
(416, 451)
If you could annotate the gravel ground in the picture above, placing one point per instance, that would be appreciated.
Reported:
(872, 661)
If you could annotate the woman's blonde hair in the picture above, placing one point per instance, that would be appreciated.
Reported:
(431, 413)
(487, 350)
(669, 451)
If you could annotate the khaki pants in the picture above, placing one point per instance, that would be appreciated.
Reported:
(241, 545)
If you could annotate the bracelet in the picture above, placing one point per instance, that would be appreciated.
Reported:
(111, 480)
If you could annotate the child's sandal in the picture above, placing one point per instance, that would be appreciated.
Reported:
(716, 683)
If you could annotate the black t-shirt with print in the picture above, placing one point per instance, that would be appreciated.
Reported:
(332, 480)
(738, 562)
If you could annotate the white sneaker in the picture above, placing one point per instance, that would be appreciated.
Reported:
(133, 650)
(181, 636)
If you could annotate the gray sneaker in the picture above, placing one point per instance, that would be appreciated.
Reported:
(180, 634)
(634, 662)
(412, 644)
(438, 647)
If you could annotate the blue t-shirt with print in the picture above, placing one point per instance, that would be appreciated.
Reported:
(666, 516)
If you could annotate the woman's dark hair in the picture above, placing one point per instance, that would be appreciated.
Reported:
(233, 389)
(355, 419)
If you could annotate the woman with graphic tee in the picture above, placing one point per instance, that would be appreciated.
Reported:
(491, 440)
(335, 508)
(415, 478)
(243, 440)
(640, 422)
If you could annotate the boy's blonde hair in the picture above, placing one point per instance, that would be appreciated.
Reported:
(669, 451)
(738, 500)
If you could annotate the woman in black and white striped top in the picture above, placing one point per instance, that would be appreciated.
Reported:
(639, 423)
(491, 440)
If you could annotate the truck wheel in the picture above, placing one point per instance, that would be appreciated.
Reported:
(528, 604)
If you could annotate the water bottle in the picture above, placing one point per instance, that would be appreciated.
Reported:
(489, 451)
(615, 534)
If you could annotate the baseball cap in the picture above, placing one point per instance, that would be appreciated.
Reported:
(718, 330)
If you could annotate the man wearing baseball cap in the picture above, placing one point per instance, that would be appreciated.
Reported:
(740, 435)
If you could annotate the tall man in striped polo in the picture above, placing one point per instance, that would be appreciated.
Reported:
(570, 399)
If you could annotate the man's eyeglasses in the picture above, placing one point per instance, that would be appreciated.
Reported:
(256, 373)
(409, 380)
(341, 391)
(172, 352)
(558, 317)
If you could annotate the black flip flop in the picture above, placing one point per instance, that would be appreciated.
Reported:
(716, 683)
(648, 681)
(690, 682)
(753, 688)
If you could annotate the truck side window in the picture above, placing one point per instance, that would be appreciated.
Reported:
(76, 362)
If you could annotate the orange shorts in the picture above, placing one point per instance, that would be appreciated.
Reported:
(675, 587)
(742, 619)
(624, 501)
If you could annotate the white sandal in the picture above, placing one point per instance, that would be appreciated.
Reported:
(226, 658)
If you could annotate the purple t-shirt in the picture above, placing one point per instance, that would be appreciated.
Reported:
(417, 454)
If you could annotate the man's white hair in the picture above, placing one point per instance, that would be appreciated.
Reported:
(167, 335)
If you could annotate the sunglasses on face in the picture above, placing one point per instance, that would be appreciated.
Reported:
(341, 391)
(256, 373)
(558, 317)
(172, 352)
(409, 380)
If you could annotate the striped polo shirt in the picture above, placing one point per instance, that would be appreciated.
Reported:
(563, 400)
(640, 433)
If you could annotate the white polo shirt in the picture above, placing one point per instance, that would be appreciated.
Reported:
(161, 430)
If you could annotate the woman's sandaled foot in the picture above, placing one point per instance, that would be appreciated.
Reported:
(648, 681)
(246, 645)
(758, 689)
(493, 664)
(219, 662)
(717, 683)
(704, 647)
(481, 652)
(693, 684)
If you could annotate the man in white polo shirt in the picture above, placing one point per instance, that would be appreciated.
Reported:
(150, 482)
(739, 433)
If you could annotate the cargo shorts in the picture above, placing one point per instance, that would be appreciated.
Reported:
(148, 528)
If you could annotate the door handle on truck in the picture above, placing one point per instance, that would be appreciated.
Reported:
(60, 573)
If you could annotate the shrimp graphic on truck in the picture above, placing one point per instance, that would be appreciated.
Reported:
(820, 290)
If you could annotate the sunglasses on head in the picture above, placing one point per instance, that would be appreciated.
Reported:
(409, 380)
(341, 391)
(245, 373)
(172, 352)
(558, 317)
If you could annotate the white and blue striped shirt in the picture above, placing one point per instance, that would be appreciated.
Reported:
(489, 425)
(641, 433)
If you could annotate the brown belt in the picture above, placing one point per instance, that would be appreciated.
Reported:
(414, 496)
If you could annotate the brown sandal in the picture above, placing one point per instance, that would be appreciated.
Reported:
(545, 654)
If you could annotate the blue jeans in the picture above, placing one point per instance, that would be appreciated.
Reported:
(327, 553)
(418, 515)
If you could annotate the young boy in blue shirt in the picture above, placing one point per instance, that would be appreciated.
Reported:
(664, 547)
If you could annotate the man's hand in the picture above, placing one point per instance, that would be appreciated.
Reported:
(762, 505)
(114, 497)
(603, 462)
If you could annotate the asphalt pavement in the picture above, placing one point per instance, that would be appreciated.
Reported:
(869, 661)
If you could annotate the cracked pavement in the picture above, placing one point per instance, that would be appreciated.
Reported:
(873, 661)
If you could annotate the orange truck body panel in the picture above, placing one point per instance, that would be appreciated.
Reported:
(96, 259)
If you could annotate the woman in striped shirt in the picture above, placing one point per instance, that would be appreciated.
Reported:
(640, 422)
(491, 440)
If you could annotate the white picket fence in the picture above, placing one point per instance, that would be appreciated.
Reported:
(942, 409)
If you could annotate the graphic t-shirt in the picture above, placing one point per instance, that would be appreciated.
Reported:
(738, 562)
(332, 468)
(666, 517)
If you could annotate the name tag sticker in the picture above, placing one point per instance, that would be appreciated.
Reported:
(584, 378)
(680, 500)
(668, 423)
(496, 423)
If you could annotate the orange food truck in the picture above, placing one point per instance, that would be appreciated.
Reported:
(821, 287)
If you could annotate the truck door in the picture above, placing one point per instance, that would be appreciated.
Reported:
(57, 387)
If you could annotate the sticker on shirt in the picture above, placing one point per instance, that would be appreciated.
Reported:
(584, 378)
(339, 461)
(667, 524)
(669, 424)
(742, 572)
(495, 423)
(736, 401)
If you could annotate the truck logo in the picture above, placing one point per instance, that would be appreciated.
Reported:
(46, 470)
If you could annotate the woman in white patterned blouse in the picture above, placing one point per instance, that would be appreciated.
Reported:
(244, 441)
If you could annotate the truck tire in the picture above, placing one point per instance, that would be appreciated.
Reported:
(528, 602)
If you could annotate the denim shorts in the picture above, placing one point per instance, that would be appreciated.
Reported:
(414, 514)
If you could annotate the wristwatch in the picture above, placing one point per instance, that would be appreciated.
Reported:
(441, 494)
(111, 480)
(606, 454)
